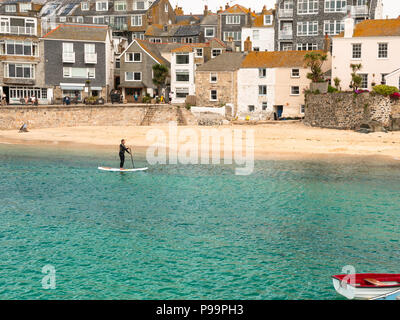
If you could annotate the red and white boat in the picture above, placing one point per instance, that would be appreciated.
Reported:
(366, 285)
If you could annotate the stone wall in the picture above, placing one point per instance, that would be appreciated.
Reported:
(346, 110)
(73, 116)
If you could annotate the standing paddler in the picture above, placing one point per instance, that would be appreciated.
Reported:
(122, 150)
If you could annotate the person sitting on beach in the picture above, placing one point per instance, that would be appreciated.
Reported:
(24, 128)
(122, 150)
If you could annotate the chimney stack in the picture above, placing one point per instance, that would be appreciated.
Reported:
(227, 6)
(205, 10)
(327, 44)
(248, 45)
(348, 27)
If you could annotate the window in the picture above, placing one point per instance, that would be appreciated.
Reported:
(364, 81)
(90, 48)
(214, 95)
(11, 8)
(264, 106)
(19, 48)
(383, 75)
(20, 71)
(286, 46)
(302, 109)
(140, 5)
(262, 90)
(63, 19)
(382, 50)
(117, 63)
(166, 7)
(216, 52)
(232, 19)
(199, 52)
(102, 6)
(182, 76)
(307, 6)
(356, 51)
(136, 20)
(307, 46)
(120, 6)
(251, 108)
(25, 7)
(209, 32)
(335, 5)
(235, 35)
(84, 6)
(256, 34)
(267, 20)
(68, 47)
(98, 20)
(295, 91)
(333, 27)
(182, 59)
(262, 73)
(79, 19)
(182, 93)
(133, 76)
(25, 92)
(257, 49)
(213, 78)
(133, 57)
(307, 28)
(155, 40)
(295, 73)
(80, 73)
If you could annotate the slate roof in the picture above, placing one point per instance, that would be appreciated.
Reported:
(78, 32)
(210, 20)
(187, 31)
(229, 61)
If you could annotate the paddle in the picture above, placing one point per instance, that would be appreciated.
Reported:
(133, 164)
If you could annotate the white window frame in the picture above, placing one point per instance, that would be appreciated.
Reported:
(127, 54)
(261, 90)
(133, 76)
(364, 80)
(334, 8)
(266, 23)
(309, 46)
(232, 19)
(32, 68)
(353, 51)
(292, 75)
(196, 51)
(381, 51)
(212, 53)
(311, 28)
(262, 73)
(333, 27)
(291, 91)
(303, 7)
(139, 21)
(216, 93)
(207, 29)
(85, 6)
(99, 6)
(118, 4)
(11, 8)
(213, 75)
(25, 7)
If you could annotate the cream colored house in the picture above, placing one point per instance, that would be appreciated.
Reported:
(375, 44)
(273, 82)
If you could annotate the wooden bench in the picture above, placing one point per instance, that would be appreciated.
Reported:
(374, 282)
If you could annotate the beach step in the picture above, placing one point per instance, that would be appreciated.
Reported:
(148, 116)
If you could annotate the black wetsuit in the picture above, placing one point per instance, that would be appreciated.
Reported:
(122, 150)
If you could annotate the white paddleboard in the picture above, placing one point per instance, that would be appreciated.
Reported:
(121, 170)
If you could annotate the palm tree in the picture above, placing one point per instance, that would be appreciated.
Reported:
(160, 75)
(315, 60)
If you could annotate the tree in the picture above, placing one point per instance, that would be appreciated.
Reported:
(160, 75)
(356, 80)
(315, 60)
(337, 83)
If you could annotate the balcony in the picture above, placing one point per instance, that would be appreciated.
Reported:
(31, 31)
(119, 27)
(285, 13)
(69, 57)
(357, 11)
(286, 35)
(91, 58)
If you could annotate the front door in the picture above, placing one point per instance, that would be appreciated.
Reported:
(133, 94)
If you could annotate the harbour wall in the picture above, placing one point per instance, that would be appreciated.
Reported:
(346, 110)
(12, 117)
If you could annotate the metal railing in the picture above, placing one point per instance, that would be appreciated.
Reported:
(359, 10)
(69, 57)
(90, 57)
(285, 13)
(18, 30)
(285, 35)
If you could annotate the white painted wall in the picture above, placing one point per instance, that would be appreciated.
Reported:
(174, 84)
(394, 78)
(248, 92)
(265, 41)
(371, 64)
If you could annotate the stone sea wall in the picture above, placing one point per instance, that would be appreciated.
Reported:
(346, 110)
(12, 117)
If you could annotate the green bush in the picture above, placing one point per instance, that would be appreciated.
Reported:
(332, 89)
(385, 90)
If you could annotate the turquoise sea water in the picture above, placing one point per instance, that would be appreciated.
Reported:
(191, 232)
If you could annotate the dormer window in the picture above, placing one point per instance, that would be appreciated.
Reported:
(267, 20)
(102, 6)
(140, 5)
(85, 6)
(25, 7)
(11, 8)
(120, 6)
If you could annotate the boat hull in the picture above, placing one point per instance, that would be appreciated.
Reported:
(359, 293)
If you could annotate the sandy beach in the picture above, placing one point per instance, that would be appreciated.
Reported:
(271, 141)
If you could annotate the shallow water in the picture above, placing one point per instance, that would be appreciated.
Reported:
(191, 232)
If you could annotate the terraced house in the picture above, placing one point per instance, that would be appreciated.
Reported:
(78, 62)
(129, 18)
(21, 64)
(303, 24)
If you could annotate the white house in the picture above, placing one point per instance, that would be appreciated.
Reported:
(273, 82)
(261, 32)
(375, 44)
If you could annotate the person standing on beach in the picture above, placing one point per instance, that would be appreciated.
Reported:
(122, 150)
(4, 99)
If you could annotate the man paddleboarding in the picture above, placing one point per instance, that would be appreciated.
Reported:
(122, 150)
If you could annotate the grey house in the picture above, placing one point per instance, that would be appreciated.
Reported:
(136, 70)
(78, 61)
(230, 24)
(303, 24)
